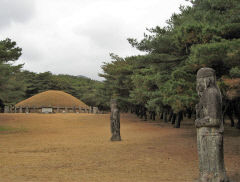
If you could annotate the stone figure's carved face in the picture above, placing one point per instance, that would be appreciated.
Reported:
(203, 83)
(200, 86)
(206, 77)
(113, 104)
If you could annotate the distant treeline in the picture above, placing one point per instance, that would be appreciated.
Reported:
(162, 81)
(17, 84)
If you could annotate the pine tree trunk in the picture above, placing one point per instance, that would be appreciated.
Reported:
(145, 114)
(150, 113)
(141, 113)
(174, 118)
(153, 115)
(189, 113)
(161, 116)
(179, 119)
(238, 123)
(165, 117)
(170, 116)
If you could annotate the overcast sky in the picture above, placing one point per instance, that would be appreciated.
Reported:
(76, 36)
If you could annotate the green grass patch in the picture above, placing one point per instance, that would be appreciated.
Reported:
(10, 130)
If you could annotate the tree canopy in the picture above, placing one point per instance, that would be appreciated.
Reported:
(205, 34)
(17, 84)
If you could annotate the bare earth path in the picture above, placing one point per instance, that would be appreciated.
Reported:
(76, 148)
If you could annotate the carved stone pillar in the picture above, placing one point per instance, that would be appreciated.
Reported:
(27, 110)
(209, 124)
(6, 109)
(95, 110)
(115, 121)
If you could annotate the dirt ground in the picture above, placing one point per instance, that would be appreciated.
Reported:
(77, 148)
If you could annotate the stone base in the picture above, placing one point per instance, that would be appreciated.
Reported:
(116, 138)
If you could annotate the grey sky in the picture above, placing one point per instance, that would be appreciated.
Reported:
(76, 36)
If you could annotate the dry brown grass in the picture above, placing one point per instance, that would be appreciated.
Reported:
(76, 148)
(52, 98)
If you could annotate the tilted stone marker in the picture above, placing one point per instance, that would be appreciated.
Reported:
(209, 124)
(11, 109)
(27, 110)
(95, 110)
(115, 121)
(6, 109)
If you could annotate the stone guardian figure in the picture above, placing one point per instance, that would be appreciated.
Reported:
(115, 121)
(6, 109)
(209, 124)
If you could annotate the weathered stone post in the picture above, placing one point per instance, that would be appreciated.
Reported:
(6, 109)
(79, 109)
(11, 109)
(27, 110)
(15, 109)
(95, 110)
(209, 124)
(20, 109)
(66, 109)
(115, 121)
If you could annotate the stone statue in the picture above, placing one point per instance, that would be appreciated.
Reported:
(209, 124)
(27, 110)
(20, 109)
(6, 109)
(95, 110)
(115, 121)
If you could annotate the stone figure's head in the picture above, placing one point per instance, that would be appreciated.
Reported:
(113, 103)
(206, 77)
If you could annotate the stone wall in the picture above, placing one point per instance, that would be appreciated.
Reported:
(39, 110)
(94, 110)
